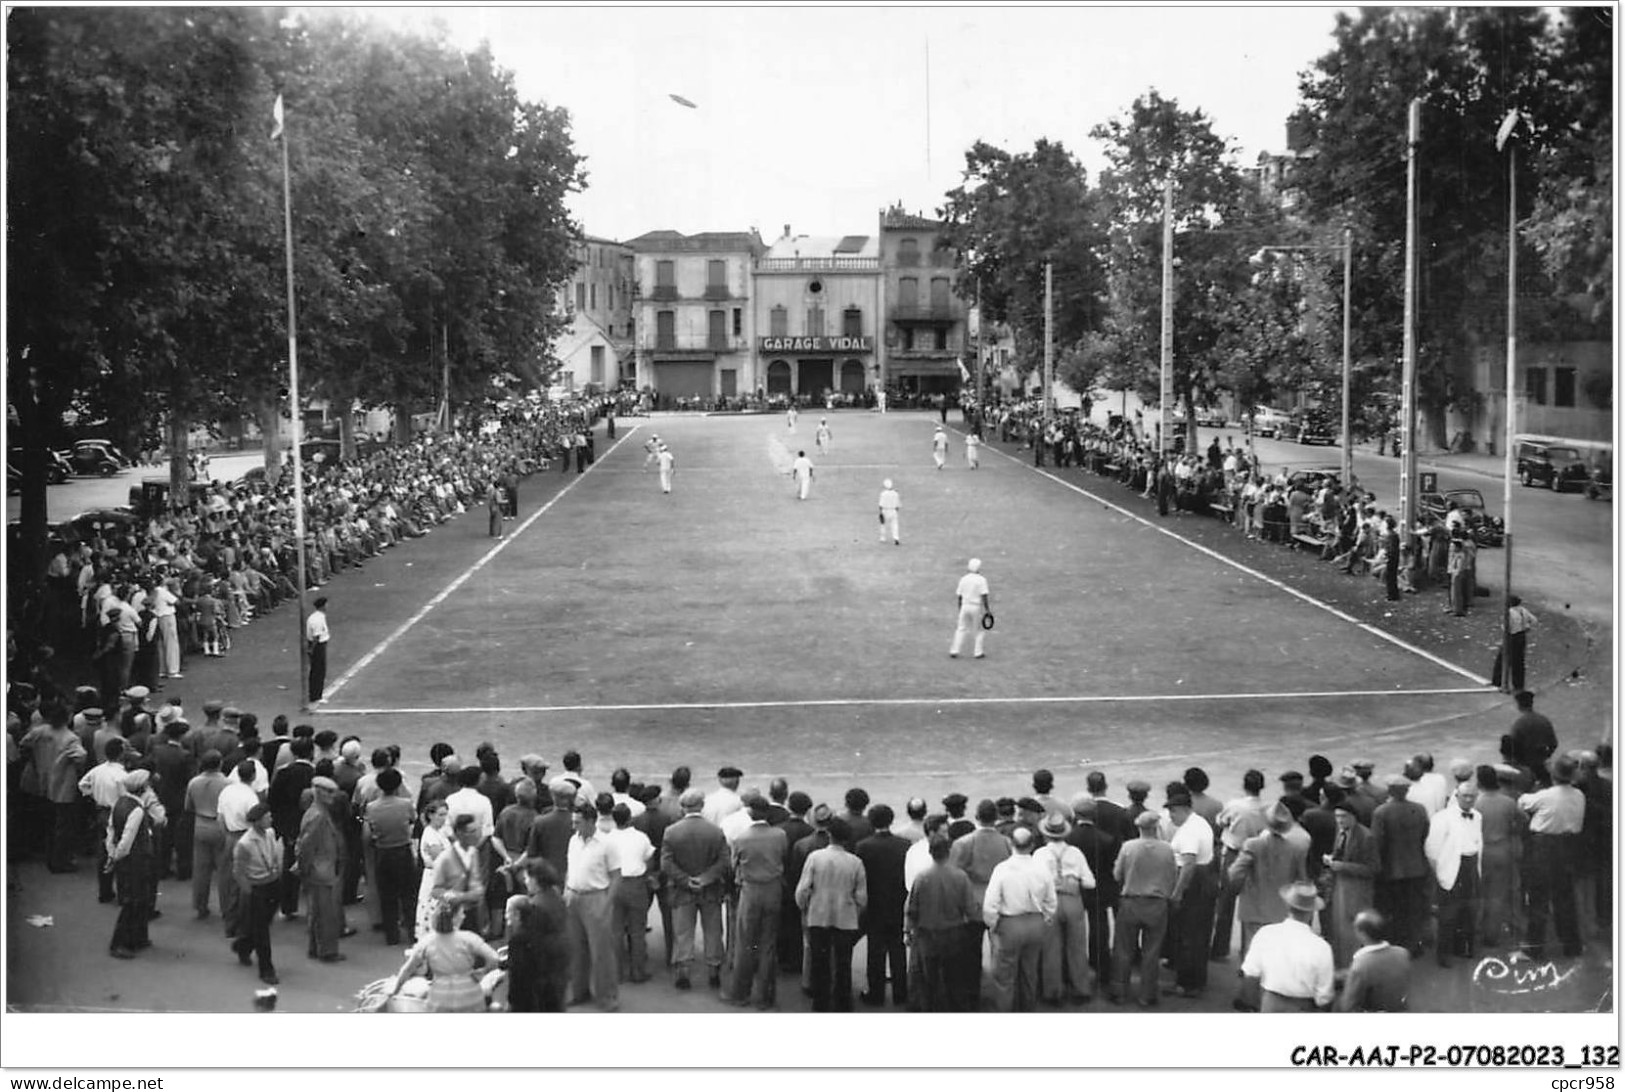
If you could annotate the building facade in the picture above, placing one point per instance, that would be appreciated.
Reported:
(925, 319)
(694, 328)
(596, 351)
(816, 304)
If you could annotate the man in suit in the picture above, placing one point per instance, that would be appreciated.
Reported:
(832, 894)
(1267, 863)
(795, 828)
(551, 830)
(882, 855)
(1240, 819)
(980, 851)
(1099, 848)
(1379, 977)
(759, 854)
(1401, 830)
(283, 798)
(694, 860)
(319, 853)
(1110, 816)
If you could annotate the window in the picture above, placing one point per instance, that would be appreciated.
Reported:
(908, 252)
(581, 296)
(739, 322)
(716, 274)
(815, 322)
(592, 296)
(1562, 386)
(718, 330)
(941, 341)
(666, 329)
(908, 293)
(908, 337)
(939, 293)
(779, 322)
(598, 364)
(852, 322)
(1534, 386)
(665, 274)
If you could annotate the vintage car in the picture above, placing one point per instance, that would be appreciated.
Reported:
(152, 495)
(1487, 530)
(1310, 427)
(96, 457)
(1555, 466)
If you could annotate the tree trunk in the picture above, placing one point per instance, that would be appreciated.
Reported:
(31, 547)
(403, 423)
(1189, 401)
(178, 465)
(346, 435)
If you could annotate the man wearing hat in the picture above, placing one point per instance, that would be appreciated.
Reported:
(694, 860)
(1195, 893)
(1362, 804)
(890, 505)
(174, 769)
(1351, 869)
(55, 754)
(1064, 963)
(197, 738)
(1146, 873)
(1503, 829)
(1400, 828)
(135, 722)
(1374, 791)
(975, 602)
(1287, 962)
(256, 866)
(939, 447)
(132, 853)
(724, 800)
(1099, 847)
(225, 736)
(1138, 790)
(1556, 820)
(319, 863)
(1266, 863)
(816, 838)
(955, 804)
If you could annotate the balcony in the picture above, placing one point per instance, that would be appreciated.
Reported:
(818, 265)
(718, 292)
(664, 292)
(928, 313)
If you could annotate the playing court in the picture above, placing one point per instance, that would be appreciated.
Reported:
(731, 622)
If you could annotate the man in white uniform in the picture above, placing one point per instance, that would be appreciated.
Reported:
(802, 471)
(652, 446)
(973, 450)
(890, 502)
(939, 447)
(667, 462)
(821, 437)
(790, 418)
(974, 601)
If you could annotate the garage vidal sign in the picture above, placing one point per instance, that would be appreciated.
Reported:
(817, 344)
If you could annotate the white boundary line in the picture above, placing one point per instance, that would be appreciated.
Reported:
(1480, 680)
(815, 703)
(401, 630)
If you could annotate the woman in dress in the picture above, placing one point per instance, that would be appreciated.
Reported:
(450, 957)
(431, 845)
(538, 961)
(1352, 866)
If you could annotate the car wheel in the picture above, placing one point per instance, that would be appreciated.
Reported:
(107, 470)
(1523, 476)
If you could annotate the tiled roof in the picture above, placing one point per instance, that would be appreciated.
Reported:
(667, 240)
(895, 217)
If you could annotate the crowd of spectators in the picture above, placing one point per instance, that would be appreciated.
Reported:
(1326, 891)
(141, 593)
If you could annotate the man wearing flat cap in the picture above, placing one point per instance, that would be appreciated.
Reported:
(694, 861)
(132, 852)
(1404, 883)
(1351, 870)
(724, 800)
(955, 804)
(1291, 966)
(1267, 862)
(318, 857)
(256, 866)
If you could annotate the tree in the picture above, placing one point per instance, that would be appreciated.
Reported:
(1009, 216)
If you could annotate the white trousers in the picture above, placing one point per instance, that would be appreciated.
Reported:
(804, 485)
(891, 525)
(665, 480)
(970, 621)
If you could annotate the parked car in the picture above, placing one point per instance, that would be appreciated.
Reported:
(1210, 418)
(104, 522)
(1312, 477)
(1269, 422)
(152, 496)
(57, 468)
(1311, 427)
(1487, 530)
(96, 457)
(1555, 466)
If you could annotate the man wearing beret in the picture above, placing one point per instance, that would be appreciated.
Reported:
(1400, 828)
(694, 860)
(256, 866)
(955, 804)
(318, 859)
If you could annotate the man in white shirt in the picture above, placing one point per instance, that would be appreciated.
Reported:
(913, 830)
(104, 784)
(232, 808)
(724, 800)
(630, 851)
(973, 450)
(667, 462)
(316, 639)
(169, 641)
(1065, 957)
(1019, 906)
(1293, 966)
(821, 437)
(591, 877)
(1429, 789)
(975, 601)
(468, 800)
(1455, 849)
(890, 504)
(1195, 894)
(939, 447)
(918, 857)
(802, 471)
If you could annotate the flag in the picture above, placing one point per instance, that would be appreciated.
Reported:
(964, 372)
(680, 101)
(1508, 124)
(276, 112)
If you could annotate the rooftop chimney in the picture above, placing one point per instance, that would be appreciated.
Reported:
(786, 231)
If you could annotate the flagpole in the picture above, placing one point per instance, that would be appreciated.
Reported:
(294, 406)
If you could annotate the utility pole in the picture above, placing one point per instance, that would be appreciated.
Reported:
(1348, 287)
(1504, 137)
(1164, 432)
(1407, 462)
(981, 320)
(1049, 341)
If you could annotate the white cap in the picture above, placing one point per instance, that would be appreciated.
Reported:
(975, 565)
(886, 484)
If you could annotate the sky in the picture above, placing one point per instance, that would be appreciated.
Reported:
(818, 117)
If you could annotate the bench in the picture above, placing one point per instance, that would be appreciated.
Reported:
(1223, 511)
(1309, 542)
(1110, 468)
